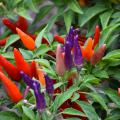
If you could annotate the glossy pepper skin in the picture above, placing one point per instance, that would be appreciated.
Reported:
(27, 41)
(21, 64)
(11, 89)
(11, 70)
(87, 51)
(96, 36)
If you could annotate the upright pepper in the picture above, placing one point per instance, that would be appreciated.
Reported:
(28, 42)
(21, 64)
(34, 69)
(96, 36)
(11, 89)
(87, 51)
(12, 70)
(60, 65)
(97, 56)
(41, 76)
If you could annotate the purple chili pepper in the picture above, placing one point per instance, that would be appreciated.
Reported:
(27, 79)
(77, 56)
(68, 56)
(49, 85)
(40, 100)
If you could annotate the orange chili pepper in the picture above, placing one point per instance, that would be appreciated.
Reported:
(21, 64)
(87, 52)
(11, 89)
(59, 39)
(96, 36)
(28, 42)
(41, 76)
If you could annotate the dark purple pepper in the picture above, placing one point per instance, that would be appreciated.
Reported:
(77, 55)
(49, 85)
(40, 100)
(27, 79)
(68, 56)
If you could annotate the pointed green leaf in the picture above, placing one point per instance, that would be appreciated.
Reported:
(88, 110)
(68, 16)
(12, 39)
(73, 5)
(39, 37)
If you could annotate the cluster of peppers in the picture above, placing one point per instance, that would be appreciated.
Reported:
(75, 49)
(73, 54)
(27, 72)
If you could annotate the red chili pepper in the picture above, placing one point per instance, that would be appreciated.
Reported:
(12, 70)
(11, 89)
(3, 41)
(21, 64)
(96, 36)
(28, 42)
(22, 23)
(59, 39)
(34, 70)
(1, 69)
(10, 25)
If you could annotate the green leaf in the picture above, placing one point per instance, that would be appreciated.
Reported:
(89, 13)
(7, 115)
(88, 110)
(73, 5)
(113, 95)
(42, 13)
(105, 17)
(48, 37)
(68, 16)
(26, 53)
(28, 112)
(106, 33)
(8, 55)
(97, 97)
(41, 50)
(115, 54)
(60, 99)
(25, 13)
(51, 22)
(75, 96)
(100, 73)
(12, 39)
(43, 62)
(39, 37)
(72, 111)
(114, 117)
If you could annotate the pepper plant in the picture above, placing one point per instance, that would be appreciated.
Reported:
(66, 76)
